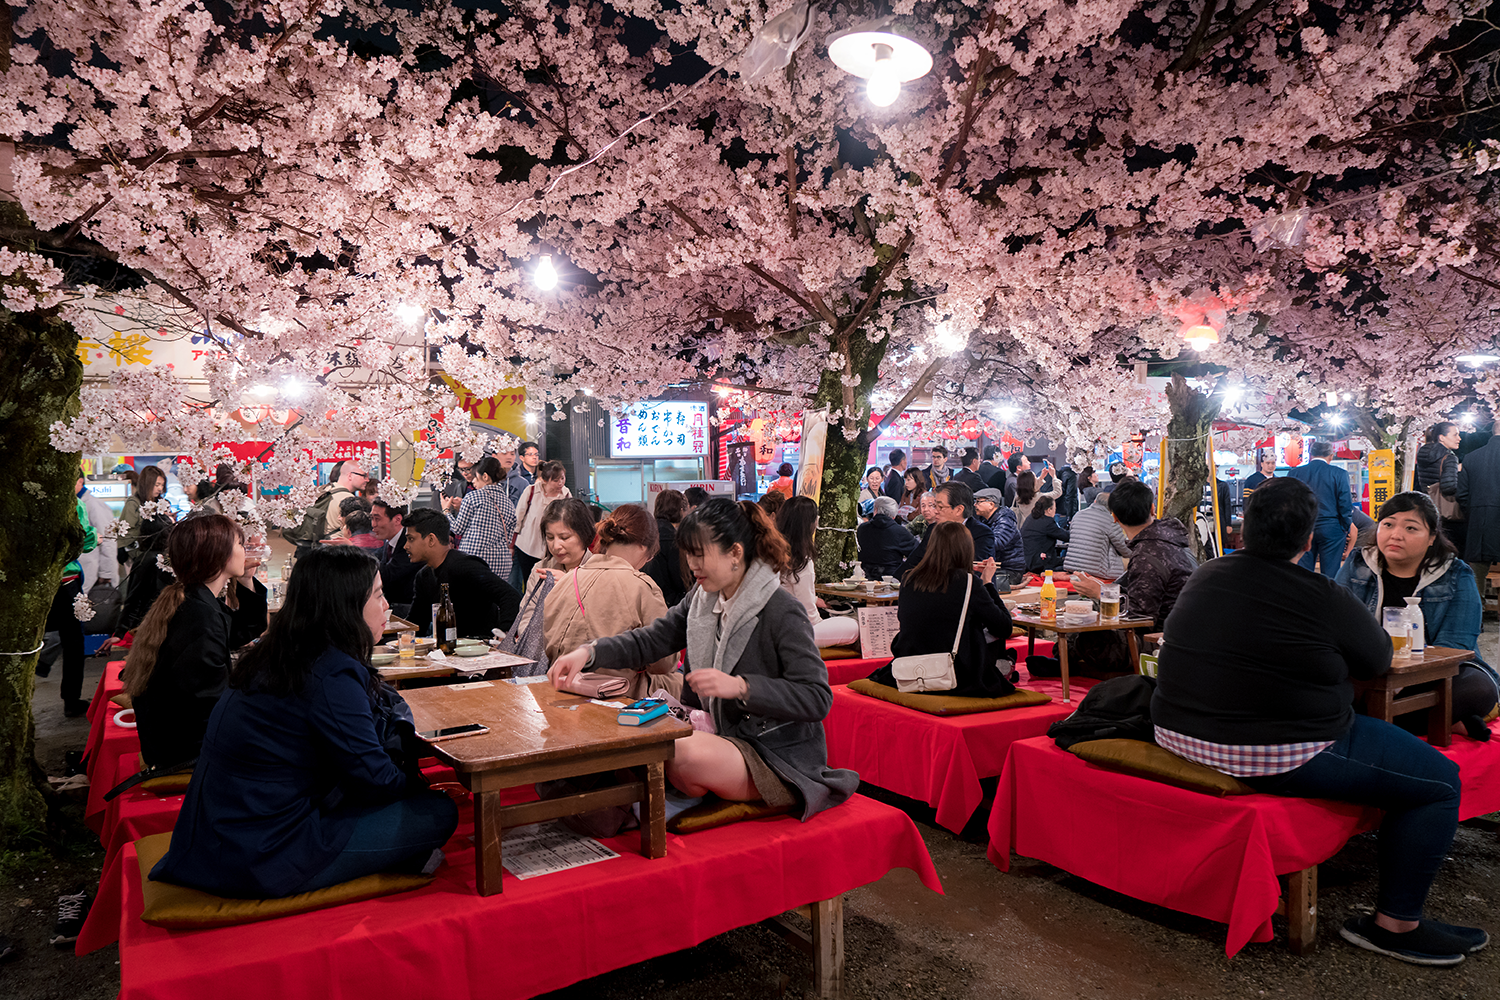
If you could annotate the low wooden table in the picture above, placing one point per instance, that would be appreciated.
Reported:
(538, 734)
(403, 672)
(1032, 624)
(1384, 701)
(883, 595)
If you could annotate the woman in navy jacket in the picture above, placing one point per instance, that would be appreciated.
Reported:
(294, 788)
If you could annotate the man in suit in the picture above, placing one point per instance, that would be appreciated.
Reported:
(1479, 496)
(1335, 507)
(969, 474)
(992, 471)
(895, 480)
(955, 502)
(398, 573)
(481, 599)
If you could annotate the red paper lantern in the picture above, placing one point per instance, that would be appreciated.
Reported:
(970, 429)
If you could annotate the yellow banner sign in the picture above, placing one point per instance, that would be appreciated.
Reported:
(504, 411)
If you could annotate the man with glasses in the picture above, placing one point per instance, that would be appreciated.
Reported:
(459, 486)
(955, 502)
(523, 473)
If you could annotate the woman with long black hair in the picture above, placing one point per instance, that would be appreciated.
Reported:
(179, 662)
(144, 539)
(797, 520)
(295, 788)
(751, 664)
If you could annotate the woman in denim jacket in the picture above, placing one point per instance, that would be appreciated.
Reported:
(1412, 557)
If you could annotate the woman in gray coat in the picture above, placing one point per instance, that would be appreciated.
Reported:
(751, 664)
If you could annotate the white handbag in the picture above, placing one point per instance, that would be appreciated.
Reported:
(932, 671)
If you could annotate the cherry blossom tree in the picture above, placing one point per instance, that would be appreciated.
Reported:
(1051, 203)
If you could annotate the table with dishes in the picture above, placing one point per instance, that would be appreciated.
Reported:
(1029, 617)
(471, 658)
(878, 595)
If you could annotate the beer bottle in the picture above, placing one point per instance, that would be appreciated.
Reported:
(445, 626)
(1049, 598)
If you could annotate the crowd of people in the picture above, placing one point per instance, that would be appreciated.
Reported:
(302, 759)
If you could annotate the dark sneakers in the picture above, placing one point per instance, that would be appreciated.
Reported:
(75, 709)
(1432, 943)
(71, 911)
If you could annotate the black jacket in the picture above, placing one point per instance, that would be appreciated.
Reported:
(1067, 504)
(481, 599)
(398, 574)
(665, 568)
(1479, 496)
(980, 532)
(895, 485)
(192, 667)
(1436, 464)
(929, 622)
(969, 478)
(1260, 651)
(1160, 565)
(883, 545)
(1039, 537)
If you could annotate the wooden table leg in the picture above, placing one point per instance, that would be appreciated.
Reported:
(1030, 641)
(654, 812)
(1302, 911)
(1062, 661)
(1134, 646)
(487, 843)
(828, 947)
(1440, 716)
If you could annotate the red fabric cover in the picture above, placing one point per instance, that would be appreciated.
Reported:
(109, 685)
(844, 671)
(1479, 770)
(936, 759)
(539, 935)
(1213, 857)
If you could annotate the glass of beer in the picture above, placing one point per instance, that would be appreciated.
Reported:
(1399, 629)
(1109, 602)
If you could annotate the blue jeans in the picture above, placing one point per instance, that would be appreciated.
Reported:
(1329, 539)
(521, 566)
(386, 836)
(1378, 764)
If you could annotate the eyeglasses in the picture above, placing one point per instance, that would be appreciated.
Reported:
(466, 471)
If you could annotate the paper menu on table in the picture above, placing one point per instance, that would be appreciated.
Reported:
(544, 848)
(877, 627)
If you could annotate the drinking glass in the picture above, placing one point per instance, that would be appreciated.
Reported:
(1399, 629)
(1109, 602)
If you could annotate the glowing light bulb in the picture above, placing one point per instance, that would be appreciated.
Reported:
(885, 79)
(1200, 336)
(1232, 395)
(1201, 344)
(408, 313)
(545, 274)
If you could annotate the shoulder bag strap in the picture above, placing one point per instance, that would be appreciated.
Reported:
(963, 615)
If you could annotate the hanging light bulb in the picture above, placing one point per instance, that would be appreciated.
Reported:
(878, 54)
(545, 274)
(885, 83)
(1199, 337)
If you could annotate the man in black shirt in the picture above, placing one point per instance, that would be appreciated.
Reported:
(1265, 470)
(1274, 708)
(895, 480)
(481, 599)
(969, 474)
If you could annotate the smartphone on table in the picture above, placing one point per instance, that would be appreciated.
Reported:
(453, 732)
(638, 713)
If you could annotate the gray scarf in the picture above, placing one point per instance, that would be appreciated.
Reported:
(716, 645)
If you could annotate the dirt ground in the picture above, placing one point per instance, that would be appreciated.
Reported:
(1036, 933)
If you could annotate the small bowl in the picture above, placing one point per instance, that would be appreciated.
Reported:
(472, 650)
(382, 659)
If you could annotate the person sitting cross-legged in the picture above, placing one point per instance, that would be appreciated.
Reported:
(1160, 563)
(1278, 713)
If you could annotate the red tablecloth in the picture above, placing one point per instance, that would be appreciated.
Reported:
(1213, 857)
(844, 671)
(445, 941)
(1479, 770)
(928, 757)
(101, 708)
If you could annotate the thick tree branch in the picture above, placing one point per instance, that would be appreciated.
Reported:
(895, 411)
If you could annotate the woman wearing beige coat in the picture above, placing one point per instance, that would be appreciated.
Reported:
(607, 594)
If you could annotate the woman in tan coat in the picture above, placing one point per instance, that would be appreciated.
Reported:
(607, 594)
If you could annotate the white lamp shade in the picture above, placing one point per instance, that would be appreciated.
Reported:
(853, 51)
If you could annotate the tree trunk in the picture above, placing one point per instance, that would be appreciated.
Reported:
(1188, 432)
(835, 552)
(40, 376)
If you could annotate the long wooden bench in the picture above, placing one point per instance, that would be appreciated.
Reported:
(1220, 858)
(540, 934)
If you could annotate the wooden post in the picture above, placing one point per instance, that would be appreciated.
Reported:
(1213, 489)
(828, 947)
(1302, 911)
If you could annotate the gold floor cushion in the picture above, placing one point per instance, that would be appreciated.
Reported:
(168, 784)
(179, 908)
(122, 699)
(718, 812)
(838, 652)
(945, 704)
(1147, 760)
